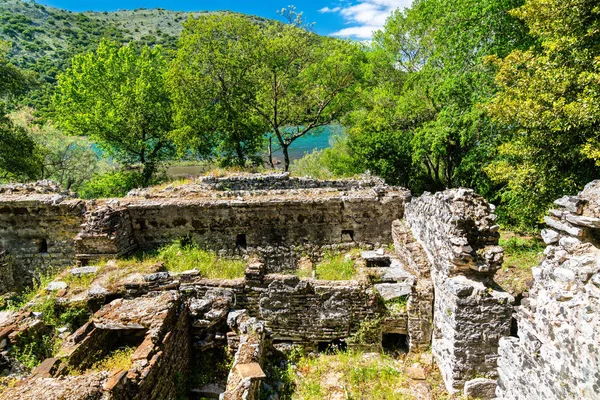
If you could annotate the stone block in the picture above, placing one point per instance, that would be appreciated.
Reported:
(481, 388)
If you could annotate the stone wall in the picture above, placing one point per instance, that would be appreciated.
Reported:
(555, 355)
(456, 231)
(280, 228)
(40, 226)
(301, 310)
(283, 181)
(37, 227)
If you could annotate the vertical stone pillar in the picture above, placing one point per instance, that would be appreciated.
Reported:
(456, 230)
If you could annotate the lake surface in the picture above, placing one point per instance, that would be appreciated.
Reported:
(307, 144)
(302, 146)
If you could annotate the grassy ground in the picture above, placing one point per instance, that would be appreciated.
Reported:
(521, 253)
(335, 266)
(350, 375)
(179, 257)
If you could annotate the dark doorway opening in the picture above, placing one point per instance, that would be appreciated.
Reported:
(42, 246)
(514, 328)
(240, 241)
(394, 343)
(347, 235)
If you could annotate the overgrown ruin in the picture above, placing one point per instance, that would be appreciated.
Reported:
(440, 271)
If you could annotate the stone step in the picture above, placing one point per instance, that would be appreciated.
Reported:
(377, 258)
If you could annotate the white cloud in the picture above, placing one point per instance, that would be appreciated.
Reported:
(330, 10)
(364, 16)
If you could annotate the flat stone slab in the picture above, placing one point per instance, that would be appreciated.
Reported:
(395, 273)
(82, 271)
(250, 371)
(56, 286)
(416, 373)
(391, 291)
(146, 312)
(376, 258)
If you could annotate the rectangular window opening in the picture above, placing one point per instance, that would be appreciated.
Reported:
(240, 241)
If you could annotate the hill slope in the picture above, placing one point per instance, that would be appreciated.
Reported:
(44, 39)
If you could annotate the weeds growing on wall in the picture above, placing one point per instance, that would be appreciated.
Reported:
(397, 305)
(32, 350)
(368, 333)
(41, 280)
(181, 256)
(336, 267)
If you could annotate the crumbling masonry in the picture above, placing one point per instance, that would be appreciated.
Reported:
(442, 267)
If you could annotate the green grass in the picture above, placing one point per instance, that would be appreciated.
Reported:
(350, 373)
(182, 256)
(336, 267)
(32, 350)
(179, 257)
(118, 359)
(81, 281)
(521, 253)
(43, 278)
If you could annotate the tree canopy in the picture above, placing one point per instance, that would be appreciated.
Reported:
(549, 98)
(118, 97)
(214, 82)
(17, 150)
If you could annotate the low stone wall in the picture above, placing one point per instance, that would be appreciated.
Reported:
(556, 353)
(246, 375)
(298, 310)
(156, 325)
(456, 230)
(283, 181)
(36, 233)
(279, 229)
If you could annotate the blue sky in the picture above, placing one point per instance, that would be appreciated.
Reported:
(355, 19)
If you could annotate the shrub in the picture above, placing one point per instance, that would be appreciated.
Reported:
(111, 184)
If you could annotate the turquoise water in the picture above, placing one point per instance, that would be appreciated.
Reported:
(307, 144)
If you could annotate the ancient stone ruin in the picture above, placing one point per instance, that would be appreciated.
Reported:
(440, 269)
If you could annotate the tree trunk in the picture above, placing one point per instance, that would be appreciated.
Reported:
(286, 157)
(147, 173)
(271, 152)
(240, 155)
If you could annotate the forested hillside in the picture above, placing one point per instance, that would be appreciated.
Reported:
(45, 39)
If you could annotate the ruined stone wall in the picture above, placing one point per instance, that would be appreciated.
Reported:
(301, 310)
(37, 227)
(456, 230)
(556, 353)
(283, 181)
(280, 229)
(40, 226)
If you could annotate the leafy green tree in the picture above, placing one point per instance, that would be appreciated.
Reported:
(428, 79)
(18, 152)
(550, 99)
(118, 97)
(68, 160)
(305, 82)
(213, 80)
